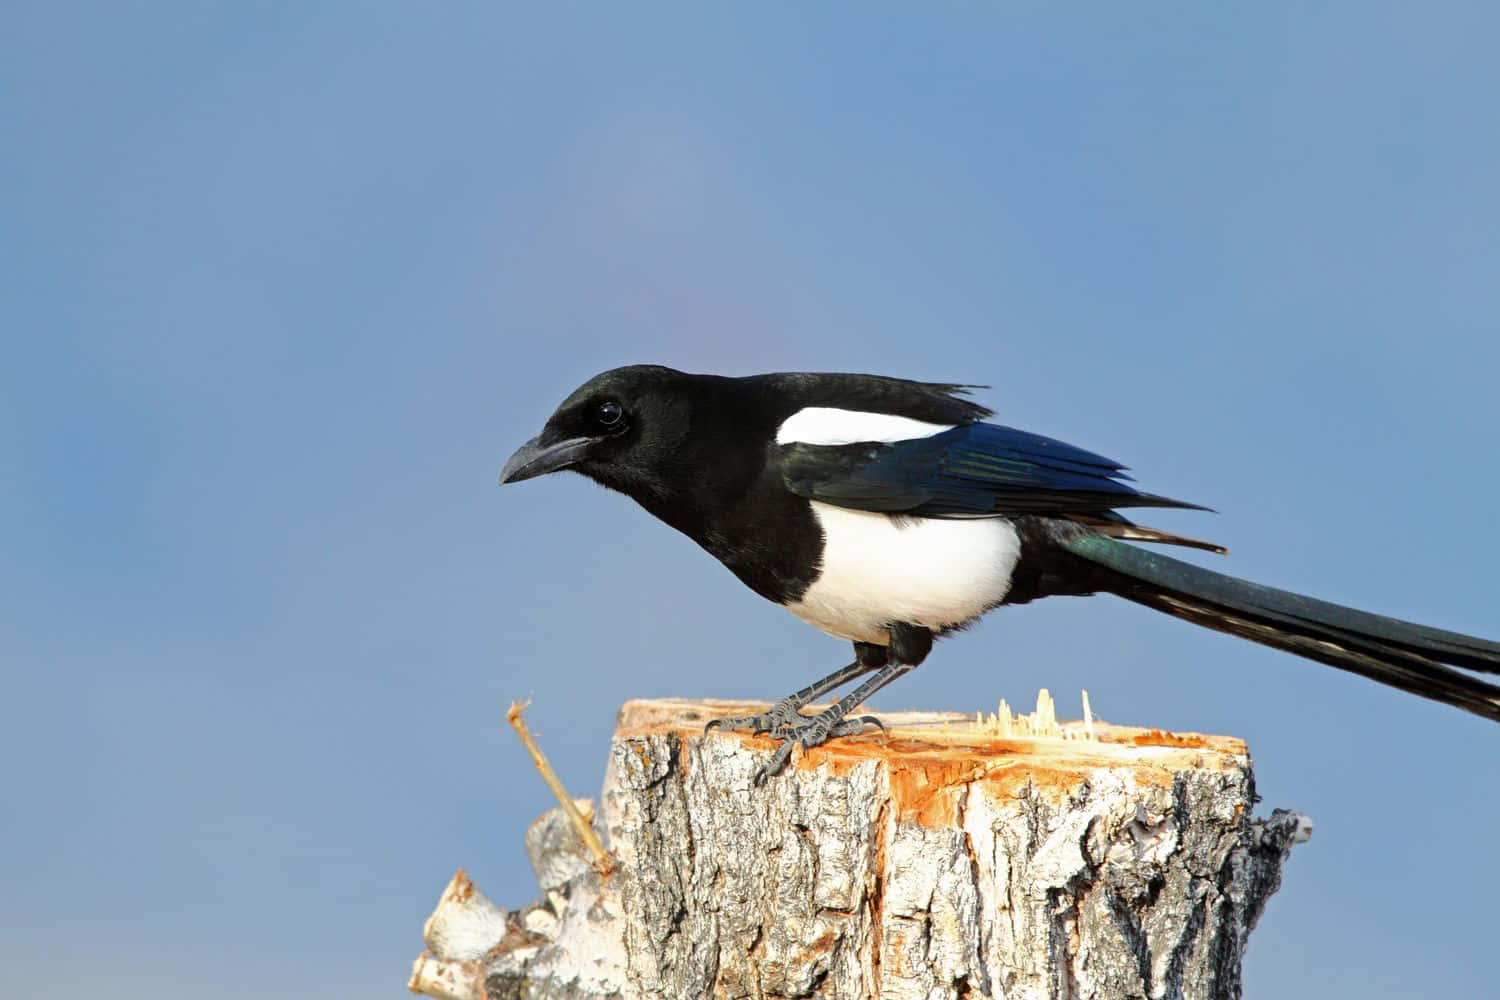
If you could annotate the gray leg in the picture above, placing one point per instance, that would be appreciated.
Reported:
(830, 722)
(909, 646)
(784, 713)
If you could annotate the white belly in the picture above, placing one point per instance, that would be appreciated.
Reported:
(923, 571)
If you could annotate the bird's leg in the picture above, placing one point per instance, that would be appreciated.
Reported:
(867, 657)
(828, 723)
(909, 646)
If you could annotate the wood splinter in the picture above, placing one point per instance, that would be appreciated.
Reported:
(603, 861)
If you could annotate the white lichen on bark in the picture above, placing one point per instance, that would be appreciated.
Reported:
(938, 861)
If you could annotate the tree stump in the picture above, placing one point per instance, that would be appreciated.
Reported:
(949, 857)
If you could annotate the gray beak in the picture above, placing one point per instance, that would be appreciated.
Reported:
(537, 459)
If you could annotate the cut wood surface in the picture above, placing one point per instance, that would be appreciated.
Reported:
(950, 857)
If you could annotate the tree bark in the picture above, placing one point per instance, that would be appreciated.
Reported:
(950, 857)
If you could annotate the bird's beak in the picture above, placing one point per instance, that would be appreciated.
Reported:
(537, 458)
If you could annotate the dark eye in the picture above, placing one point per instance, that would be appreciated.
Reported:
(609, 413)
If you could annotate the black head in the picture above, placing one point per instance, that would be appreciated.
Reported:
(620, 428)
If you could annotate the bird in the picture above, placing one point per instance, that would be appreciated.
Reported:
(889, 513)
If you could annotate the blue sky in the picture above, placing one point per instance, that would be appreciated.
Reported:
(284, 284)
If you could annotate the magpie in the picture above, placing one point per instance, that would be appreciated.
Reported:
(889, 513)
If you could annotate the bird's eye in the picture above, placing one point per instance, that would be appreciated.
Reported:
(609, 413)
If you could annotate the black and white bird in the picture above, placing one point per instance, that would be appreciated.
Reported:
(888, 512)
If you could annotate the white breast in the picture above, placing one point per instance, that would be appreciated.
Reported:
(924, 571)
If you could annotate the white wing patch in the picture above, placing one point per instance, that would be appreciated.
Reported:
(831, 426)
(925, 571)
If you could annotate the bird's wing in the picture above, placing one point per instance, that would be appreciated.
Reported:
(973, 470)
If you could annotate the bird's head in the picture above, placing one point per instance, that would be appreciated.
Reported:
(620, 428)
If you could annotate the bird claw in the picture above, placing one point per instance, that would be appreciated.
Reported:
(844, 727)
(782, 716)
(782, 721)
(810, 733)
(778, 760)
(856, 725)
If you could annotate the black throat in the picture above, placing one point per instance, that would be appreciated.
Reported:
(720, 485)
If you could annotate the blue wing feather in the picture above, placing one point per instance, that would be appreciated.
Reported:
(974, 470)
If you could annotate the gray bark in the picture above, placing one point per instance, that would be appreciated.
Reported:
(941, 861)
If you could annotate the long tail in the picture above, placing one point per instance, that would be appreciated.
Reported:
(1402, 654)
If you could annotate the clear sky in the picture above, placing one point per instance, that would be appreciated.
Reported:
(282, 285)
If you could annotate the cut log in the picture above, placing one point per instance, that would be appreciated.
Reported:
(949, 857)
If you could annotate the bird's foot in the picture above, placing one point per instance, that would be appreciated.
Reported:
(782, 715)
(811, 732)
(786, 712)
